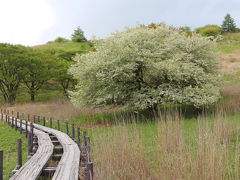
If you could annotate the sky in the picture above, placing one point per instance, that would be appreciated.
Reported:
(34, 22)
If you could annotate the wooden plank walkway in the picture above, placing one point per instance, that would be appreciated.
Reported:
(32, 169)
(68, 166)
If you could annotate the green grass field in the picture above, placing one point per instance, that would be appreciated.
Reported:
(8, 143)
(230, 43)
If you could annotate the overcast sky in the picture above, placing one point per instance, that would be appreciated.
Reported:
(32, 22)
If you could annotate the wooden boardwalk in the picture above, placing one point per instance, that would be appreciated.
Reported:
(33, 167)
(68, 166)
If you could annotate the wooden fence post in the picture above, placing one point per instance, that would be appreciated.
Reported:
(16, 127)
(12, 113)
(1, 165)
(31, 136)
(78, 138)
(44, 121)
(26, 128)
(67, 128)
(17, 115)
(87, 147)
(84, 138)
(19, 147)
(38, 119)
(50, 122)
(21, 126)
(73, 132)
(31, 127)
(29, 144)
(58, 125)
(12, 121)
(28, 117)
(89, 168)
(34, 118)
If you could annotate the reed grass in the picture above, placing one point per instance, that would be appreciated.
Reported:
(121, 152)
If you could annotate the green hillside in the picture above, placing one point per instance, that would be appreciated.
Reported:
(230, 42)
(227, 49)
(227, 54)
(52, 89)
(67, 46)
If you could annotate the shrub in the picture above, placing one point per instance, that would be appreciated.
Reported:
(60, 40)
(209, 30)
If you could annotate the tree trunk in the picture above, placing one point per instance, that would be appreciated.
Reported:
(65, 85)
(65, 93)
(11, 99)
(153, 110)
(5, 98)
(32, 97)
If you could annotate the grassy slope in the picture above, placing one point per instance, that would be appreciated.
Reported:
(229, 57)
(230, 43)
(8, 143)
(66, 46)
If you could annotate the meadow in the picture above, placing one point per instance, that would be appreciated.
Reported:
(178, 144)
(170, 148)
(182, 142)
(229, 43)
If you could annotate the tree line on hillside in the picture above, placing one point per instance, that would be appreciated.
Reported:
(30, 67)
(228, 26)
(33, 67)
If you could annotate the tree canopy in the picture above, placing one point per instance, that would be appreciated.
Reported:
(38, 68)
(11, 69)
(21, 65)
(145, 67)
(228, 24)
(78, 35)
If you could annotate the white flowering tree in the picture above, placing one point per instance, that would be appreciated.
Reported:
(147, 66)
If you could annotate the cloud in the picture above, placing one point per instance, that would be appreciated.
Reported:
(23, 21)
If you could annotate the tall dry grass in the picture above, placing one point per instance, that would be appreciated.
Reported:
(120, 153)
(61, 109)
